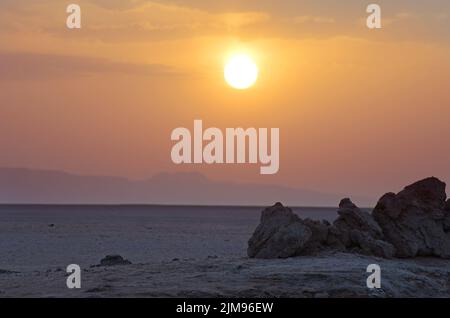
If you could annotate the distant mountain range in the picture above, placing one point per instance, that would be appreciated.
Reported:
(26, 186)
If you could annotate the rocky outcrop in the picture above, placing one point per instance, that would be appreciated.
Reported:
(414, 222)
(352, 218)
(359, 231)
(447, 217)
(367, 245)
(281, 234)
(447, 206)
(114, 260)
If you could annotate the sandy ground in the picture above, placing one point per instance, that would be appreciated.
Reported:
(335, 275)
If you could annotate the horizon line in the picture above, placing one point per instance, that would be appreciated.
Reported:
(167, 205)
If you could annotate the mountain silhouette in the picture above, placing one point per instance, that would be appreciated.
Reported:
(27, 186)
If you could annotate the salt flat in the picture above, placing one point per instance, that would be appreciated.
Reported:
(334, 275)
(184, 252)
(40, 237)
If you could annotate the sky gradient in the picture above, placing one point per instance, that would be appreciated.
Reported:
(360, 111)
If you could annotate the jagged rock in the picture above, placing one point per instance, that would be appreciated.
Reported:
(414, 220)
(370, 246)
(352, 218)
(335, 239)
(281, 234)
(319, 236)
(114, 260)
(447, 217)
(358, 231)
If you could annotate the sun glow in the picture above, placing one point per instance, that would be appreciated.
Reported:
(241, 72)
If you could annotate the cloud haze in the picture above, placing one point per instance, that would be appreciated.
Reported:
(29, 66)
(359, 111)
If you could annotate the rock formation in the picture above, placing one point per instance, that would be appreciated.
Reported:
(281, 234)
(114, 260)
(359, 231)
(414, 222)
(447, 217)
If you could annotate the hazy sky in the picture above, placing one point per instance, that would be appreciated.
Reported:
(360, 111)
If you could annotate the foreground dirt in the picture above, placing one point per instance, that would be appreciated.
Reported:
(332, 275)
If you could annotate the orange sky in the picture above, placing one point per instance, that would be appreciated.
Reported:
(359, 111)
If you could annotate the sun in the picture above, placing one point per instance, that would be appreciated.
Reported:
(241, 72)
